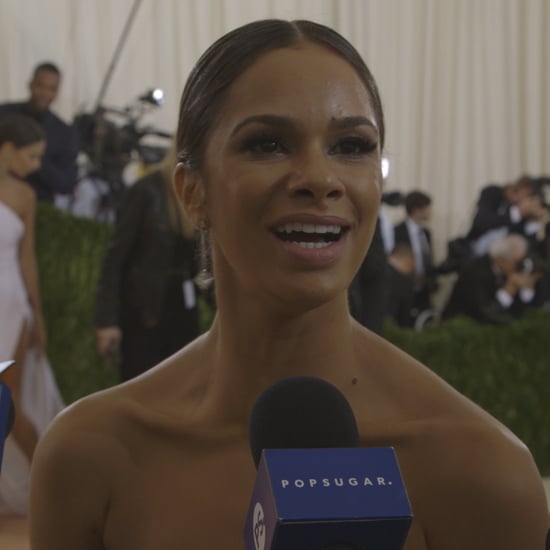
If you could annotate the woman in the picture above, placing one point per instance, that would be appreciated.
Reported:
(280, 139)
(146, 304)
(22, 144)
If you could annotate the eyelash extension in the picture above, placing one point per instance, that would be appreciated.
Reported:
(364, 145)
(251, 144)
(360, 146)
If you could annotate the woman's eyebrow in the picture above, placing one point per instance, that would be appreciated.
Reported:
(352, 122)
(270, 120)
(278, 121)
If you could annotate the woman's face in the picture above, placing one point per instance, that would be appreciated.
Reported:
(26, 160)
(292, 176)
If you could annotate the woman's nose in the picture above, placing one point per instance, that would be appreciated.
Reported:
(315, 178)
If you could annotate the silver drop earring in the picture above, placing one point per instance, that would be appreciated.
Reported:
(204, 278)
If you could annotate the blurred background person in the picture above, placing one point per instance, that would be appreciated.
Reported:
(22, 336)
(22, 144)
(368, 291)
(58, 172)
(401, 276)
(414, 232)
(498, 209)
(146, 302)
(535, 213)
(496, 287)
(391, 201)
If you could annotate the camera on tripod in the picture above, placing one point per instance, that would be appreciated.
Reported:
(110, 135)
(110, 139)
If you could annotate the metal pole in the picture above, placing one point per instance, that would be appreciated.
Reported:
(117, 52)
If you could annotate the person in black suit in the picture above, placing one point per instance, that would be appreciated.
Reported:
(368, 292)
(59, 173)
(502, 209)
(413, 232)
(401, 285)
(496, 205)
(146, 304)
(495, 288)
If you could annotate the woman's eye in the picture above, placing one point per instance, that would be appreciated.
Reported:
(353, 146)
(265, 145)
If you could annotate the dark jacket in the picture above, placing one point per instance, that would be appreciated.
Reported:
(368, 291)
(401, 232)
(58, 173)
(139, 259)
(422, 300)
(400, 301)
(474, 295)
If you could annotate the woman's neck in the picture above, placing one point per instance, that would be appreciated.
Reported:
(251, 348)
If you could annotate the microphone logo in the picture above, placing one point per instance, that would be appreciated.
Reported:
(258, 527)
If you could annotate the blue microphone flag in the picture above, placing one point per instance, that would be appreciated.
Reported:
(5, 406)
(304, 499)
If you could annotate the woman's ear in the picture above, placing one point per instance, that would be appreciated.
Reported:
(189, 189)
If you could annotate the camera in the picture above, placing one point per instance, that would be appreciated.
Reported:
(110, 140)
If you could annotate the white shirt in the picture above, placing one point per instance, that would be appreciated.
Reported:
(419, 248)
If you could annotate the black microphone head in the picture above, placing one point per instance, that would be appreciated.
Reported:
(301, 412)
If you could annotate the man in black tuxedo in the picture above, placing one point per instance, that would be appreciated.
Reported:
(413, 232)
(496, 287)
(58, 173)
(368, 292)
(401, 286)
(501, 209)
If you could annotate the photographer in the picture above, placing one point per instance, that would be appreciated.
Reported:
(498, 286)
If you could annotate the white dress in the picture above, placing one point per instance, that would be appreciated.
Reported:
(14, 306)
(41, 399)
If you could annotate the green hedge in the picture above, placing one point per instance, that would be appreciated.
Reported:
(69, 253)
(503, 369)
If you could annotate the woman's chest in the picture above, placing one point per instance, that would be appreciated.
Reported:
(189, 501)
(176, 500)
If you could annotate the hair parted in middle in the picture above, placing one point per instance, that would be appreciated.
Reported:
(225, 60)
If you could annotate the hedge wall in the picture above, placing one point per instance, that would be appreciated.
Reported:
(503, 369)
(69, 253)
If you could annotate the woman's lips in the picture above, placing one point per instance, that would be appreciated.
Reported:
(311, 240)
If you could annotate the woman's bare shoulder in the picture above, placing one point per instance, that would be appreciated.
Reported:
(477, 484)
(150, 397)
(80, 454)
(19, 196)
(84, 431)
(412, 388)
(470, 478)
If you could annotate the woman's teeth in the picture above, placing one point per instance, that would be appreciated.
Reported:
(309, 228)
(308, 235)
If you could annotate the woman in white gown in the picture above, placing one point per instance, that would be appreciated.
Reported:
(22, 333)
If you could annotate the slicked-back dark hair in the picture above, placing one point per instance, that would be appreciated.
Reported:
(226, 59)
(21, 130)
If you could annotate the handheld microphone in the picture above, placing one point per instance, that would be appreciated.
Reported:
(316, 489)
(7, 410)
